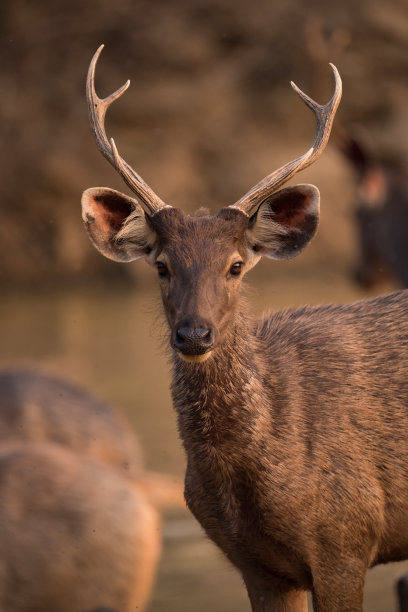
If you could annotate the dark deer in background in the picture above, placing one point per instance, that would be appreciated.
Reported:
(79, 520)
(402, 593)
(380, 208)
(295, 426)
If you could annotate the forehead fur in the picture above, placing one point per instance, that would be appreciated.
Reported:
(187, 236)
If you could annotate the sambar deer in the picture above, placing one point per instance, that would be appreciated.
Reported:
(295, 426)
(380, 210)
(380, 207)
(75, 534)
(79, 520)
(39, 407)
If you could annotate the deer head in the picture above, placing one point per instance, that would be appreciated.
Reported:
(202, 259)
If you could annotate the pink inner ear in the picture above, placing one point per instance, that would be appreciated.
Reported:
(290, 208)
(110, 212)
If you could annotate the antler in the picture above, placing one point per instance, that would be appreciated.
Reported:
(324, 120)
(97, 110)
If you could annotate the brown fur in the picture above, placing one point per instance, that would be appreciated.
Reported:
(74, 534)
(79, 527)
(299, 471)
(39, 407)
(294, 426)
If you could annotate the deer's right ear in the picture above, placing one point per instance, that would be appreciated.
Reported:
(116, 224)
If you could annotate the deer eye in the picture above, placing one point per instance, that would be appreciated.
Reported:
(162, 269)
(236, 268)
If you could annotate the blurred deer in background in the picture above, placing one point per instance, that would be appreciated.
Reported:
(79, 521)
(295, 425)
(37, 407)
(381, 205)
(402, 592)
(381, 210)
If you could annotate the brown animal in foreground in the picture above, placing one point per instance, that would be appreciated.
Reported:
(79, 526)
(294, 426)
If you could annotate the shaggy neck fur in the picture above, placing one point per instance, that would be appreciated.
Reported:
(219, 397)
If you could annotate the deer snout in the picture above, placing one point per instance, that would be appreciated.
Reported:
(193, 340)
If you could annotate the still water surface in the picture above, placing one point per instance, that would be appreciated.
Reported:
(112, 342)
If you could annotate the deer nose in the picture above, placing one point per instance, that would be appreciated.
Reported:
(193, 340)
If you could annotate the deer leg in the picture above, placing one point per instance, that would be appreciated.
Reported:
(288, 601)
(270, 596)
(339, 589)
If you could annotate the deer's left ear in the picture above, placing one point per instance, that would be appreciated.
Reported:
(285, 222)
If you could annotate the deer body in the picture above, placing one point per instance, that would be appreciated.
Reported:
(75, 534)
(36, 407)
(381, 211)
(79, 520)
(295, 426)
(292, 464)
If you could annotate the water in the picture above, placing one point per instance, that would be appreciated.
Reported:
(110, 341)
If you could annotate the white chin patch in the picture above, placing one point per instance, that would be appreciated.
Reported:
(195, 358)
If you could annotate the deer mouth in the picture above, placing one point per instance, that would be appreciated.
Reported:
(195, 358)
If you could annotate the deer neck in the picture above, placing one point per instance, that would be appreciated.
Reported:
(222, 394)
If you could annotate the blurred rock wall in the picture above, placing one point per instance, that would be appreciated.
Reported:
(209, 111)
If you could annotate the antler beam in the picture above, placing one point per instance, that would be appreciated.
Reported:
(324, 121)
(97, 110)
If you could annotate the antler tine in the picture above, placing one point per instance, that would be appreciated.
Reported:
(97, 110)
(324, 121)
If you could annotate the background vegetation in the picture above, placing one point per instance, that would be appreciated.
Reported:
(209, 111)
